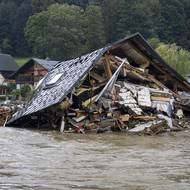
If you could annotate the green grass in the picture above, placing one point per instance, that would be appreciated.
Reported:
(21, 60)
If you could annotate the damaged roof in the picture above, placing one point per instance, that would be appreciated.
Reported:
(61, 80)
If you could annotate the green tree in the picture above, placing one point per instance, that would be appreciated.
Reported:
(173, 28)
(25, 91)
(94, 32)
(121, 27)
(58, 32)
(154, 42)
(6, 46)
(7, 17)
(41, 5)
(176, 56)
(109, 11)
(128, 16)
(186, 4)
(20, 45)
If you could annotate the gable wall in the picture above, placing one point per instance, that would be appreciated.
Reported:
(31, 74)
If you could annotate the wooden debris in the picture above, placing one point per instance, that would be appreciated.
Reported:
(117, 95)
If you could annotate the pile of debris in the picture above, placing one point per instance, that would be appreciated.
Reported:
(7, 108)
(120, 105)
(5, 113)
(104, 91)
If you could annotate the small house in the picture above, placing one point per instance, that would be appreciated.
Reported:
(32, 71)
(7, 67)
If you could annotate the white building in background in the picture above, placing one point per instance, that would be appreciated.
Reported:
(2, 79)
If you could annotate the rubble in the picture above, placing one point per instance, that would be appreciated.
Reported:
(4, 115)
(113, 93)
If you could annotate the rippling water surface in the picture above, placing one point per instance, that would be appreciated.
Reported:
(34, 160)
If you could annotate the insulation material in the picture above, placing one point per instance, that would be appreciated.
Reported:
(163, 107)
(144, 97)
(142, 126)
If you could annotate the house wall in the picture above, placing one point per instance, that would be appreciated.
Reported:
(31, 75)
(1, 79)
(39, 72)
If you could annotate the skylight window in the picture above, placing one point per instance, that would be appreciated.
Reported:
(54, 79)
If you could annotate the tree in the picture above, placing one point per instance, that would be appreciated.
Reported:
(58, 32)
(176, 56)
(128, 16)
(154, 42)
(142, 17)
(186, 4)
(122, 28)
(7, 13)
(35, 31)
(95, 35)
(6, 46)
(109, 12)
(41, 5)
(173, 26)
(19, 42)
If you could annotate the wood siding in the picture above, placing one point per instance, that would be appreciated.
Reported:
(31, 75)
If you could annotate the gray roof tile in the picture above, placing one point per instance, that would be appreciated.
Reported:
(7, 63)
(72, 71)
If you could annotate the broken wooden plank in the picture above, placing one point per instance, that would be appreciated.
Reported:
(97, 77)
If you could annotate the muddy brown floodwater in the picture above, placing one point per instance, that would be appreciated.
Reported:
(34, 160)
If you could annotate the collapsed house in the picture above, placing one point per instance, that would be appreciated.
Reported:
(125, 86)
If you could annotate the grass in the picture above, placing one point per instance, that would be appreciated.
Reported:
(21, 60)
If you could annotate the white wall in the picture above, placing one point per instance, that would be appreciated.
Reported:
(1, 79)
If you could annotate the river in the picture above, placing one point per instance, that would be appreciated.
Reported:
(34, 160)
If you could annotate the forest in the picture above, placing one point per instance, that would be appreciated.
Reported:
(62, 29)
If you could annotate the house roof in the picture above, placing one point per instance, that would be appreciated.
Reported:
(7, 63)
(61, 80)
(72, 71)
(47, 64)
(135, 46)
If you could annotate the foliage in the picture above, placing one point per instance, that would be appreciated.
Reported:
(11, 86)
(154, 42)
(57, 32)
(177, 57)
(173, 27)
(106, 20)
(65, 31)
(21, 60)
(16, 93)
(24, 91)
(95, 35)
